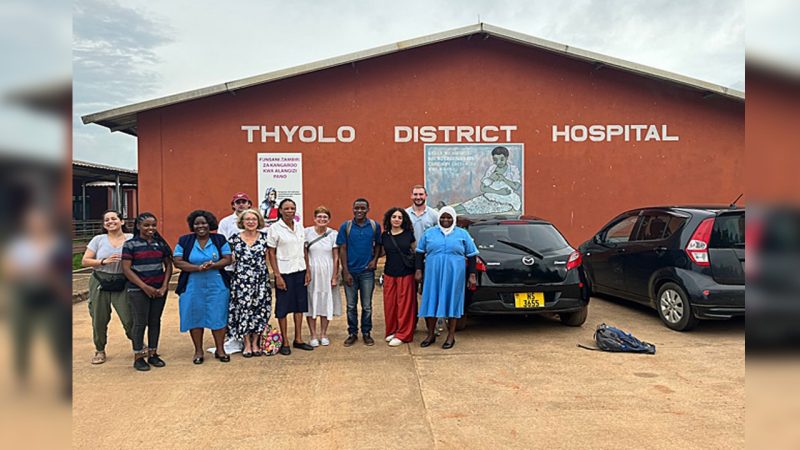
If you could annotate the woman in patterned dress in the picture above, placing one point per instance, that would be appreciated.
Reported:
(251, 293)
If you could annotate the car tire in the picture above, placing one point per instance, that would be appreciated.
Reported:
(461, 323)
(674, 309)
(574, 319)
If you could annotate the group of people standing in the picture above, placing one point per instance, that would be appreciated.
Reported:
(224, 284)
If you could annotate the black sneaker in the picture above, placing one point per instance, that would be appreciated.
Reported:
(350, 340)
(368, 340)
(141, 365)
(156, 361)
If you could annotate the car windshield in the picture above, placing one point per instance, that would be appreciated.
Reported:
(539, 237)
(728, 231)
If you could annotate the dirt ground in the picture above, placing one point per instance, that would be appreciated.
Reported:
(509, 382)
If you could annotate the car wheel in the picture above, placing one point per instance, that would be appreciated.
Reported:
(574, 319)
(461, 323)
(674, 309)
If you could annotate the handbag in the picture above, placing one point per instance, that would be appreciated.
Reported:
(271, 341)
(110, 282)
(408, 260)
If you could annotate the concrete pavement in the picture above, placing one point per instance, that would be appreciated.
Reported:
(509, 382)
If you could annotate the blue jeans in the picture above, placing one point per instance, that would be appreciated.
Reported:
(363, 282)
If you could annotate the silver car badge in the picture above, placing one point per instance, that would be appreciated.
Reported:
(528, 260)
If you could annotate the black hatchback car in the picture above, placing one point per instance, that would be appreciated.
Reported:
(525, 266)
(686, 262)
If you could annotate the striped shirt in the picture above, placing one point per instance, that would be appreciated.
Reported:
(147, 259)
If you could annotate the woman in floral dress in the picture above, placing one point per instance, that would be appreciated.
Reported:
(251, 293)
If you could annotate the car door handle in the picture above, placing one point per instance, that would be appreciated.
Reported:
(621, 250)
(660, 249)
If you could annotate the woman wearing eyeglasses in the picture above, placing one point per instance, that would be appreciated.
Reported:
(324, 299)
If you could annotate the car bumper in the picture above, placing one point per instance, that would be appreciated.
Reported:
(711, 300)
(500, 300)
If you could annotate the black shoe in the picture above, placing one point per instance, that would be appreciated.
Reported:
(198, 360)
(156, 361)
(368, 340)
(285, 350)
(427, 342)
(222, 358)
(449, 344)
(302, 346)
(141, 365)
(350, 340)
(247, 354)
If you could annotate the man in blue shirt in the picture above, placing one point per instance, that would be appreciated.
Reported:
(422, 216)
(359, 242)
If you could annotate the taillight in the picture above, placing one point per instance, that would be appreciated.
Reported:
(480, 266)
(574, 260)
(697, 248)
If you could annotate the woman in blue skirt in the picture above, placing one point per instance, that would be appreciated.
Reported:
(203, 285)
(446, 254)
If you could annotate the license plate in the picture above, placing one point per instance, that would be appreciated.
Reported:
(529, 299)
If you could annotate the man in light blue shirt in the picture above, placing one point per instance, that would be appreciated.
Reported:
(422, 216)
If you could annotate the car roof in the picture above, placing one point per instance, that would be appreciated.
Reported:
(466, 220)
(713, 209)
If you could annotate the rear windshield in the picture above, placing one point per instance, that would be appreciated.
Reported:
(728, 231)
(537, 236)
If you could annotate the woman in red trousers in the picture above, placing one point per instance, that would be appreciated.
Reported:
(399, 289)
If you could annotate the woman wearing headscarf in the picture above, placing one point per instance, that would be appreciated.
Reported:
(269, 206)
(446, 255)
(203, 285)
(107, 283)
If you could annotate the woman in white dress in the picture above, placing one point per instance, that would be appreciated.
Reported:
(324, 300)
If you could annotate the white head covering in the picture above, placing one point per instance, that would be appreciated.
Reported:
(452, 212)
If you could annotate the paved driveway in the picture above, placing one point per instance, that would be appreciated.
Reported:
(508, 382)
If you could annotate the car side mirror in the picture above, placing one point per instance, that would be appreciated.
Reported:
(596, 239)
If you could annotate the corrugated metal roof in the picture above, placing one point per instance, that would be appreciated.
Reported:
(124, 118)
(92, 165)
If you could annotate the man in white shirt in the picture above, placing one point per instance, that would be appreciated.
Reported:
(228, 227)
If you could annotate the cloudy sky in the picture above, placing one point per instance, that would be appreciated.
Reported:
(125, 52)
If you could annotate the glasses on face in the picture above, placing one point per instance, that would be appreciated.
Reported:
(241, 202)
(322, 217)
(250, 220)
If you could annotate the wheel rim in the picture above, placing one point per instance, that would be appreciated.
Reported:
(671, 305)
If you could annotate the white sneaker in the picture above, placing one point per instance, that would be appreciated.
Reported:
(233, 346)
(314, 343)
(389, 337)
(395, 342)
(325, 342)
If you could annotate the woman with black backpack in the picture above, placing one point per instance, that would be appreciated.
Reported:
(203, 285)
(399, 288)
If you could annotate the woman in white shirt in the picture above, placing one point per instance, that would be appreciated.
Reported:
(288, 257)
(324, 300)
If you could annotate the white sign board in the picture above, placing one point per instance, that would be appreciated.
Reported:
(280, 176)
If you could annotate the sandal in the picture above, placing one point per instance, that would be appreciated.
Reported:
(223, 358)
(247, 354)
(99, 358)
(198, 359)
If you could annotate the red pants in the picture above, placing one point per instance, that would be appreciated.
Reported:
(400, 306)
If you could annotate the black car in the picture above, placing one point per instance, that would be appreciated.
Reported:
(525, 266)
(686, 262)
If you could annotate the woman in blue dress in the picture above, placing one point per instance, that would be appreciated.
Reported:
(203, 284)
(446, 254)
